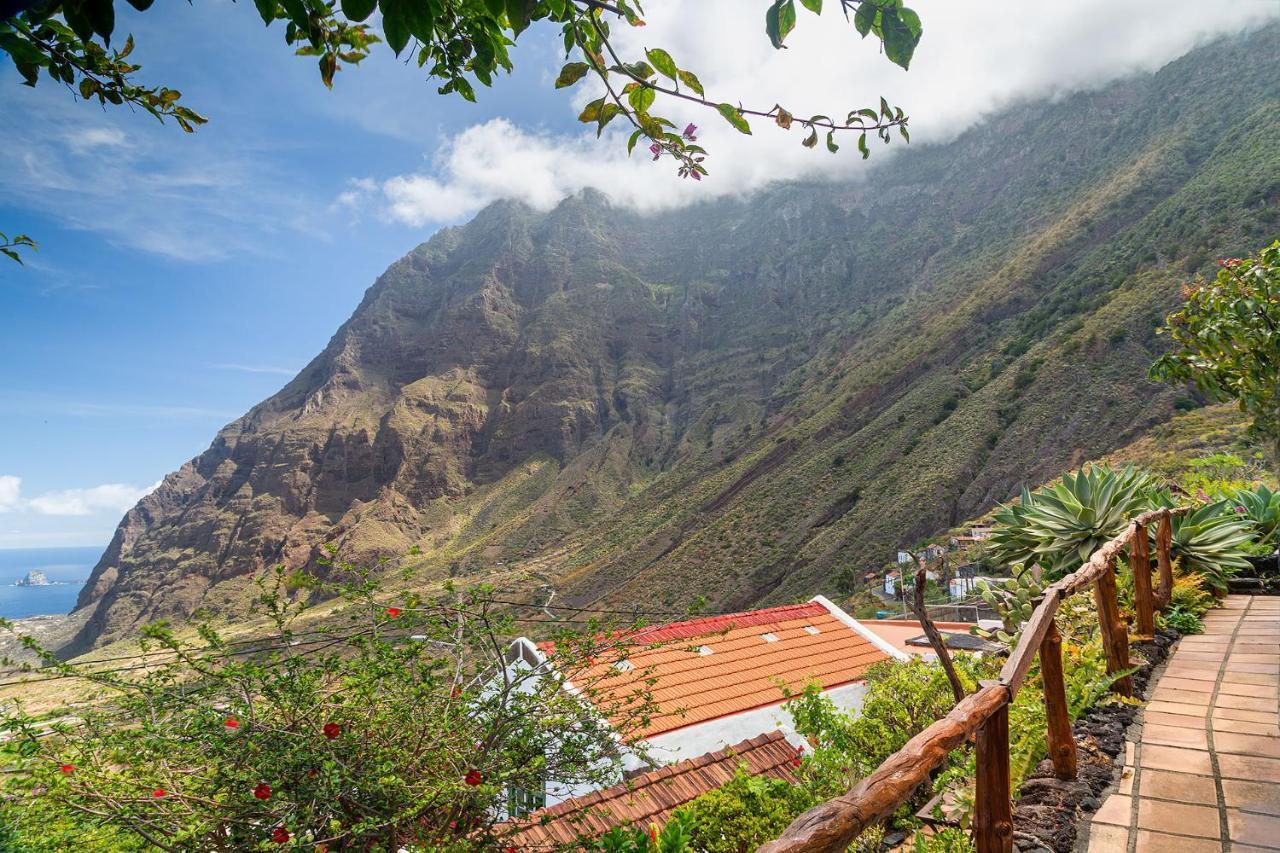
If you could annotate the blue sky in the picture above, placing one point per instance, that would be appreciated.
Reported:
(181, 279)
(177, 287)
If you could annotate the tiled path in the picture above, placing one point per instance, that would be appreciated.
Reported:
(1204, 772)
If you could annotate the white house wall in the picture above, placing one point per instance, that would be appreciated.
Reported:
(712, 735)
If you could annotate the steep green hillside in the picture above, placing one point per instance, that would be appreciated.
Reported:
(740, 399)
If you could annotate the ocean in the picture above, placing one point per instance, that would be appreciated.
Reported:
(71, 566)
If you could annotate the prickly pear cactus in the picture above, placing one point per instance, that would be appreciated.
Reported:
(1013, 599)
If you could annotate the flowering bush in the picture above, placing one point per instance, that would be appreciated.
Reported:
(391, 729)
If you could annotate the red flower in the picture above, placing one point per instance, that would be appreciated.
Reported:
(280, 835)
(158, 793)
(473, 777)
(653, 833)
(332, 730)
(311, 774)
(262, 791)
(455, 692)
(795, 762)
(231, 723)
(67, 769)
(393, 612)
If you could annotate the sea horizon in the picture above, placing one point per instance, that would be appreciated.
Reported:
(66, 567)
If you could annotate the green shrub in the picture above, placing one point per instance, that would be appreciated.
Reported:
(1261, 508)
(400, 727)
(743, 813)
(1062, 524)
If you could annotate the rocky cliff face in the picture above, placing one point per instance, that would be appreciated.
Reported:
(744, 400)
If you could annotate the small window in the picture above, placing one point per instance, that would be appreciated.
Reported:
(809, 629)
(521, 801)
(624, 666)
(704, 650)
(769, 637)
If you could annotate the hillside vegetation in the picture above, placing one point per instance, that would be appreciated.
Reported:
(737, 400)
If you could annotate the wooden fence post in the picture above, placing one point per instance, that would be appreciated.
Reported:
(993, 806)
(1140, 565)
(1062, 742)
(1115, 636)
(1164, 540)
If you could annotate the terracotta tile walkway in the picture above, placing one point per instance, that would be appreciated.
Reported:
(1203, 771)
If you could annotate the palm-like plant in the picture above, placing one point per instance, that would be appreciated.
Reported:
(1060, 525)
(1212, 541)
(1260, 507)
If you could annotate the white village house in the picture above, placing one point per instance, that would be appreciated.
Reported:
(717, 679)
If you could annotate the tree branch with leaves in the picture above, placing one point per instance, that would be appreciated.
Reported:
(462, 44)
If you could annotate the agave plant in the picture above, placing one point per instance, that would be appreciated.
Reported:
(1212, 541)
(1060, 525)
(1260, 507)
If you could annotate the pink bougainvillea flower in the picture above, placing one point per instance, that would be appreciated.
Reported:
(689, 132)
(695, 174)
(393, 612)
(231, 723)
(67, 769)
(473, 777)
(280, 835)
(158, 793)
(332, 730)
(262, 791)
(656, 150)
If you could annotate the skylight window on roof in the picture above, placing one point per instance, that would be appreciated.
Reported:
(624, 666)
(809, 629)
(769, 637)
(704, 650)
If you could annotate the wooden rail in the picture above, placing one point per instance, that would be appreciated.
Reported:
(984, 715)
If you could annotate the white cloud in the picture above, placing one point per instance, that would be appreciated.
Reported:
(113, 497)
(109, 497)
(188, 198)
(970, 62)
(95, 137)
(10, 491)
(257, 368)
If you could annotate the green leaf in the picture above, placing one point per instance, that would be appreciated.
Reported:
(662, 61)
(519, 13)
(607, 113)
(862, 146)
(571, 73)
(865, 18)
(395, 26)
(831, 142)
(812, 139)
(635, 137)
(899, 40)
(358, 10)
(689, 79)
(591, 112)
(734, 117)
(641, 98)
(77, 19)
(814, 6)
(102, 14)
(779, 21)
(266, 10)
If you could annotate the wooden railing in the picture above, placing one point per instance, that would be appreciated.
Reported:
(984, 714)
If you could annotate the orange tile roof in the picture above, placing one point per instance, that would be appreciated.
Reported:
(652, 796)
(896, 632)
(742, 671)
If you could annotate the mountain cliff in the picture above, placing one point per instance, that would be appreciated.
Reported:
(746, 400)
